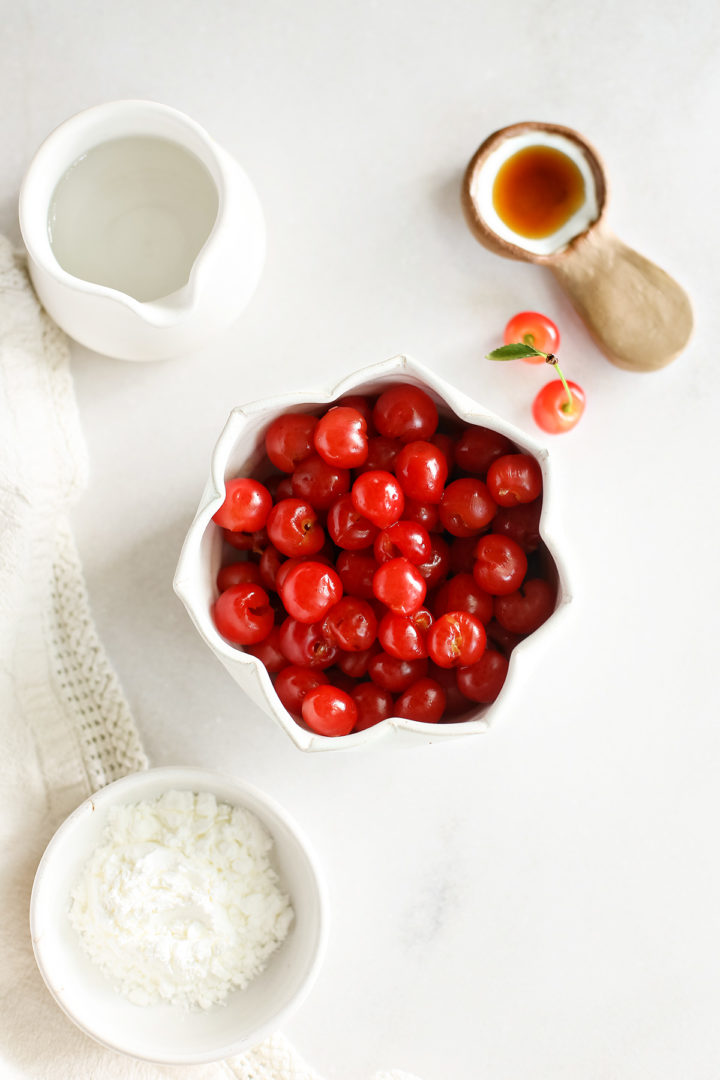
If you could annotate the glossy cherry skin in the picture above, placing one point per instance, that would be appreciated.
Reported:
(403, 636)
(294, 529)
(462, 593)
(351, 624)
(422, 470)
(246, 506)
(483, 681)
(329, 711)
(309, 590)
(500, 564)
(478, 447)
(373, 705)
(238, 573)
(341, 437)
(456, 639)
(293, 683)
(532, 328)
(400, 586)
(348, 528)
(289, 440)
(405, 538)
(524, 611)
(243, 614)
(320, 484)
(466, 507)
(552, 411)
(437, 567)
(377, 495)
(393, 674)
(513, 479)
(424, 701)
(269, 566)
(406, 413)
(305, 644)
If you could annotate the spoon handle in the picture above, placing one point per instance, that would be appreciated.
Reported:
(639, 316)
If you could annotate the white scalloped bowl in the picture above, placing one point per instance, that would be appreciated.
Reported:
(238, 452)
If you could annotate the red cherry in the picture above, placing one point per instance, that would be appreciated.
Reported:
(403, 636)
(243, 615)
(294, 529)
(404, 538)
(406, 413)
(305, 644)
(289, 440)
(437, 567)
(400, 586)
(378, 496)
(466, 507)
(361, 404)
(246, 506)
(270, 562)
(309, 590)
(351, 624)
(552, 410)
(329, 711)
(293, 683)
(425, 514)
(318, 483)
(424, 701)
(462, 593)
(478, 447)
(484, 680)
(269, 652)
(373, 705)
(513, 479)
(356, 570)
(238, 573)
(348, 528)
(532, 328)
(341, 437)
(456, 639)
(422, 470)
(501, 564)
(393, 674)
(523, 611)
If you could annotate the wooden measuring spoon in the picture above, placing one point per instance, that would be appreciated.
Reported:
(638, 315)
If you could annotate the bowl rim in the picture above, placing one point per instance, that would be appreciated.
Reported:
(181, 777)
(467, 409)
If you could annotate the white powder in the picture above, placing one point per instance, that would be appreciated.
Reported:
(179, 903)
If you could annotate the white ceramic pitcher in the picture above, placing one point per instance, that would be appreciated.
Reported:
(220, 280)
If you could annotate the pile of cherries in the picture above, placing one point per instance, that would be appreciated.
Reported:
(392, 561)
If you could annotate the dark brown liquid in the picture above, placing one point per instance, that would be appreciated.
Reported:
(537, 190)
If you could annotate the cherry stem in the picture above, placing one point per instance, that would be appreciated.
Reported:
(550, 358)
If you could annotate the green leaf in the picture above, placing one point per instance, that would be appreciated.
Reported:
(518, 351)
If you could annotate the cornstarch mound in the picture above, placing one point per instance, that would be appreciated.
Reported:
(179, 903)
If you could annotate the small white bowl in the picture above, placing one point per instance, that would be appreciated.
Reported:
(164, 1033)
(238, 452)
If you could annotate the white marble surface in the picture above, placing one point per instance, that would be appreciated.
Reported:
(542, 902)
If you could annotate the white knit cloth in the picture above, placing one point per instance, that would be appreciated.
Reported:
(65, 727)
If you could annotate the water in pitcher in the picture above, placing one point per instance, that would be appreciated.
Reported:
(132, 214)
